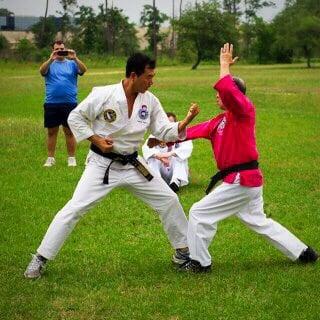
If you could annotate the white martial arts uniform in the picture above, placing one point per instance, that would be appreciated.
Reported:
(178, 169)
(245, 203)
(105, 113)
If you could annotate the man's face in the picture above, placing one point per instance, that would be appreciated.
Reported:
(142, 83)
(219, 102)
(59, 47)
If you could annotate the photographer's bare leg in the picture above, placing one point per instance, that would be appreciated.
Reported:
(70, 142)
(52, 140)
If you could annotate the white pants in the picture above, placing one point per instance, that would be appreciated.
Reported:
(90, 190)
(177, 172)
(247, 204)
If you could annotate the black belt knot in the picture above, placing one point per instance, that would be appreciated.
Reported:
(124, 160)
(236, 168)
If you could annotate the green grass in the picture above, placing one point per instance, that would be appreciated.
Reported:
(116, 263)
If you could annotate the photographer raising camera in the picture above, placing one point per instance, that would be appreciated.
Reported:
(61, 72)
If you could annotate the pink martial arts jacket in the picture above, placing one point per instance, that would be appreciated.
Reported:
(232, 133)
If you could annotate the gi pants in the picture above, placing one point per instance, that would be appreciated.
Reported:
(177, 172)
(91, 190)
(245, 203)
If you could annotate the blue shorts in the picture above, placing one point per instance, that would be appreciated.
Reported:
(56, 114)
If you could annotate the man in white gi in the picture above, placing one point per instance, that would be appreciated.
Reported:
(170, 162)
(114, 119)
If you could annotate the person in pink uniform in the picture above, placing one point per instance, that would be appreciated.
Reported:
(232, 135)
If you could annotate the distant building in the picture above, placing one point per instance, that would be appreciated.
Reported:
(24, 23)
(7, 22)
(21, 23)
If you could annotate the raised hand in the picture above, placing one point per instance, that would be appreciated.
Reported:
(53, 55)
(226, 59)
(226, 55)
(71, 54)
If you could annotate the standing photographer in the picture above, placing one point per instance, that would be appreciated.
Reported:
(61, 72)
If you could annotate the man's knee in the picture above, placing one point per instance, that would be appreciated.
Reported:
(53, 132)
(68, 133)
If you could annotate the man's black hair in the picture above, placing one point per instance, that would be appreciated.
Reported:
(137, 64)
(240, 84)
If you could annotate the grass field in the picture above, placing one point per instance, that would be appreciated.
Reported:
(116, 264)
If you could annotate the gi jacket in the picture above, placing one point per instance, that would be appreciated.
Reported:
(232, 133)
(105, 113)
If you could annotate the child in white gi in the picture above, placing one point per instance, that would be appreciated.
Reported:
(170, 162)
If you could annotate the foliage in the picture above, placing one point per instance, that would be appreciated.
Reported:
(232, 7)
(204, 29)
(149, 15)
(4, 44)
(123, 39)
(253, 6)
(91, 32)
(46, 38)
(86, 33)
(298, 29)
(65, 21)
(5, 12)
(25, 49)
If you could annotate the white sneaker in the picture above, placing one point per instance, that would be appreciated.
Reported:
(50, 162)
(35, 268)
(72, 162)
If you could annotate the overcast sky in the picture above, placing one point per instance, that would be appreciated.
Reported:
(131, 8)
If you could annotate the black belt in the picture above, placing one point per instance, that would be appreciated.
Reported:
(223, 173)
(123, 159)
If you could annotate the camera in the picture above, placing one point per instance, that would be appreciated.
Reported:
(63, 53)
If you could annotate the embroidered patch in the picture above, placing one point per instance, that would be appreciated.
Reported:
(221, 126)
(143, 112)
(109, 115)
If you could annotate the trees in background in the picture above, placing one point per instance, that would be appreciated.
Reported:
(297, 31)
(203, 28)
(197, 32)
(45, 39)
(152, 19)
(65, 20)
(90, 30)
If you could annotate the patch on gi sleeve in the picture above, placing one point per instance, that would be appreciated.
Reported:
(109, 115)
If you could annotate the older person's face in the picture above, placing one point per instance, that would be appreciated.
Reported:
(219, 102)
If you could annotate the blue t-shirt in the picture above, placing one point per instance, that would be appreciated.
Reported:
(61, 82)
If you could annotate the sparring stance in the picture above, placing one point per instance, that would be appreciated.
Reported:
(232, 135)
(114, 119)
(170, 162)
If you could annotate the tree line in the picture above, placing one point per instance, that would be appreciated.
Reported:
(195, 34)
